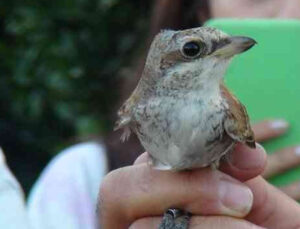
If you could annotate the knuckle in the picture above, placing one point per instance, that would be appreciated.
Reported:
(201, 185)
(204, 176)
(119, 189)
(107, 185)
(109, 193)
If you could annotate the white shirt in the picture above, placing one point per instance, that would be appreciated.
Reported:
(65, 195)
(12, 205)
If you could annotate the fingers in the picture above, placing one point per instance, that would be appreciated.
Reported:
(138, 191)
(281, 161)
(271, 207)
(143, 158)
(292, 190)
(245, 163)
(269, 129)
(199, 222)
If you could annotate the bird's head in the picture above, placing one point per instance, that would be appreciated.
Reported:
(190, 58)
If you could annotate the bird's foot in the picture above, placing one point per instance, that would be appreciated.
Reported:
(175, 219)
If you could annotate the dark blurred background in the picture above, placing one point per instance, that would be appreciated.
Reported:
(59, 66)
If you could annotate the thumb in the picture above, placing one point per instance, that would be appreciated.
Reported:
(271, 207)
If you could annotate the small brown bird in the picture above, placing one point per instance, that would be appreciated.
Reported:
(181, 110)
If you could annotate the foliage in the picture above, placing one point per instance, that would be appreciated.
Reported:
(59, 61)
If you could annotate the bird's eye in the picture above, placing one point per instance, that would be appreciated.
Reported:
(191, 49)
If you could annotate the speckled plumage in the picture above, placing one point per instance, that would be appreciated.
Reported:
(181, 111)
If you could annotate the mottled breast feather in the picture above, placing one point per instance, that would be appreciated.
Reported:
(237, 124)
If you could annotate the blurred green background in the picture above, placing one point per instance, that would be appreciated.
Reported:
(59, 65)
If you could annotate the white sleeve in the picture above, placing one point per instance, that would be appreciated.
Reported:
(65, 196)
(12, 206)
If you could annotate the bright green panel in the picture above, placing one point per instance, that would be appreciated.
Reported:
(267, 78)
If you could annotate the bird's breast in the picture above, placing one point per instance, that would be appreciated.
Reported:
(182, 132)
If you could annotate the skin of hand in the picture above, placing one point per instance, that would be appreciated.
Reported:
(282, 160)
(138, 191)
(146, 193)
(286, 158)
(271, 209)
(129, 205)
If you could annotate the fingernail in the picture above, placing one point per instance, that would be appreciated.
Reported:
(279, 124)
(236, 198)
(297, 151)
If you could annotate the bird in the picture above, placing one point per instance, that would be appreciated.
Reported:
(181, 111)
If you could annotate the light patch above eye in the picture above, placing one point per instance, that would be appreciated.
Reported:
(192, 49)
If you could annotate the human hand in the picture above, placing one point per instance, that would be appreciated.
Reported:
(271, 209)
(136, 195)
(282, 160)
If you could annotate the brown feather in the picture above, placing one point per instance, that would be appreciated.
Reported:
(125, 120)
(237, 123)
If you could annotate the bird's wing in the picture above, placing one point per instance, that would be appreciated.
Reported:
(124, 119)
(125, 116)
(236, 123)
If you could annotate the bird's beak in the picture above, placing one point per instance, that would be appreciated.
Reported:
(233, 45)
